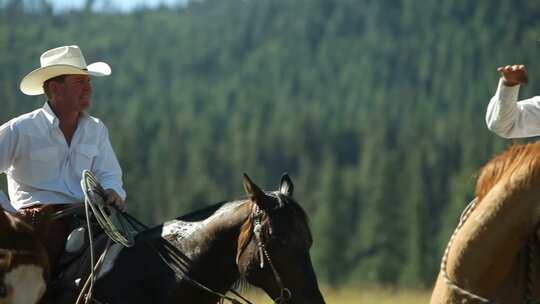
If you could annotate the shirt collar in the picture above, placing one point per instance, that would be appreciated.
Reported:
(49, 114)
(51, 117)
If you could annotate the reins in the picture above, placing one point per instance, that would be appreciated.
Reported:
(172, 262)
(168, 253)
(172, 258)
(528, 298)
(10, 255)
(94, 200)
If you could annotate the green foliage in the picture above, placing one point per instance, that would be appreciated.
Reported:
(375, 108)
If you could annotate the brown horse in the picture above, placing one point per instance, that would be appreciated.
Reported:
(23, 262)
(493, 255)
(196, 258)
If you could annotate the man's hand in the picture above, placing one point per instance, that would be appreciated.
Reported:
(513, 75)
(114, 198)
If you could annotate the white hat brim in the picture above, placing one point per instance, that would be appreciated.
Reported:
(99, 69)
(32, 84)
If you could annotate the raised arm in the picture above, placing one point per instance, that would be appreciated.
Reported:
(506, 116)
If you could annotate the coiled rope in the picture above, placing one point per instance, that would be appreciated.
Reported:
(109, 218)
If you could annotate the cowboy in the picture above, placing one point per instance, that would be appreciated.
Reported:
(44, 152)
(506, 116)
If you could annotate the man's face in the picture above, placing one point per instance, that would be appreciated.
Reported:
(74, 93)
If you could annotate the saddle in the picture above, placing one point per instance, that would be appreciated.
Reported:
(51, 233)
(78, 243)
(65, 230)
(102, 222)
(73, 267)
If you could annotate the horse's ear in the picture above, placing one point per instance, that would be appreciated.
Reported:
(286, 186)
(253, 191)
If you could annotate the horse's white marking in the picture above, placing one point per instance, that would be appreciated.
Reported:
(181, 231)
(25, 285)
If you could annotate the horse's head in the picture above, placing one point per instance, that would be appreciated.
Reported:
(22, 262)
(274, 243)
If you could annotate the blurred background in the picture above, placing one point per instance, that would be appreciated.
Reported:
(374, 107)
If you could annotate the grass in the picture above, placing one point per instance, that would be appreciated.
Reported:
(360, 295)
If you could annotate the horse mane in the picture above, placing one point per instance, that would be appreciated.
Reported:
(245, 235)
(506, 164)
(242, 285)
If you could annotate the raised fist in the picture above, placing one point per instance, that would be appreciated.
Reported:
(513, 74)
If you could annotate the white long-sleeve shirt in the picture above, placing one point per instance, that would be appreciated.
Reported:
(42, 168)
(509, 118)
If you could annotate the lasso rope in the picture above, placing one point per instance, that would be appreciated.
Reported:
(94, 199)
(94, 196)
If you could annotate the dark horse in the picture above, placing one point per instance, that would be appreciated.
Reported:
(264, 240)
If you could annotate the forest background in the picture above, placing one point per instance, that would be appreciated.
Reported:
(374, 107)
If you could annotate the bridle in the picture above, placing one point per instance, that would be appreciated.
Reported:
(173, 261)
(257, 214)
(173, 258)
(12, 253)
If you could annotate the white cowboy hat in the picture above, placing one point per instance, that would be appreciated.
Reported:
(63, 60)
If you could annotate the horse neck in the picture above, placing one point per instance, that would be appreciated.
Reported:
(224, 226)
(229, 217)
(216, 240)
(485, 250)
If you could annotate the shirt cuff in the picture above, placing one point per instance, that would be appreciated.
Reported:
(506, 93)
(119, 190)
